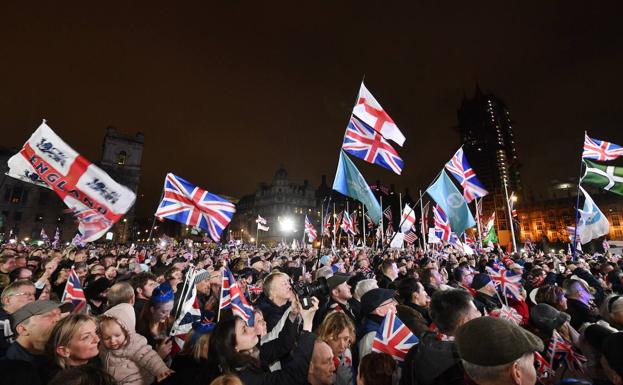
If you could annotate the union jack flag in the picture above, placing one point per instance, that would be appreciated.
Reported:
(442, 225)
(78, 240)
(73, 292)
(388, 213)
(355, 222)
(90, 222)
(561, 352)
(543, 369)
(507, 313)
(393, 338)
(232, 297)
(600, 149)
(347, 224)
(44, 236)
(57, 239)
(466, 176)
(364, 142)
(188, 314)
(326, 228)
(193, 206)
(369, 220)
(506, 281)
(337, 223)
(309, 230)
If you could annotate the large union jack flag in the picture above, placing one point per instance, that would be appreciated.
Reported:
(364, 142)
(442, 225)
(600, 149)
(466, 176)
(193, 206)
(393, 338)
(73, 292)
(309, 230)
(232, 297)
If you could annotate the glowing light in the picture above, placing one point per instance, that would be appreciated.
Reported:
(287, 225)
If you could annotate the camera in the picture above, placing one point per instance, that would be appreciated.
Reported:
(304, 291)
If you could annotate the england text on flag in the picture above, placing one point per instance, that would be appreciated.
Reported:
(232, 297)
(46, 159)
(193, 206)
(363, 142)
(73, 292)
(393, 338)
(600, 149)
(466, 176)
(370, 112)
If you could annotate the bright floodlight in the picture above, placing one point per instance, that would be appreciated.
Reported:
(287, 225)
(163, 244)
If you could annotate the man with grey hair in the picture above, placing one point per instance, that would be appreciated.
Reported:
(497, 352)
(364, 286)
(14, 296)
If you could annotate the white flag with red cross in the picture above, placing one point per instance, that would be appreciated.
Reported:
(86, 189)
(370, 112)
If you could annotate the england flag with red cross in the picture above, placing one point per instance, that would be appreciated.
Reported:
(371, 113)
(193, 206)
(393, 338)
(46, 160)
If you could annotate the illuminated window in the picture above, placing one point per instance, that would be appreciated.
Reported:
(121, 157)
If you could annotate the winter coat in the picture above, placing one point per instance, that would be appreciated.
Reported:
(293, 373)
(272, 313)
(414, 317)
(136, 363)
(432, 362)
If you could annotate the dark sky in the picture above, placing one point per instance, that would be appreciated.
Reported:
(227, 91)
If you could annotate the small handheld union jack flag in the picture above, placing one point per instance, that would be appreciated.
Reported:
(73, 292)
(309, 230)
(232, 297)
(393, 338)
(506, 281)
(466, 176)
(363, 142)
(193, 206)
(442, 225)
(543, 369)
(507, 313)
(561, 352)
(600, 149)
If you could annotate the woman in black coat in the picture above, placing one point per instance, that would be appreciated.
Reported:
(239, 352)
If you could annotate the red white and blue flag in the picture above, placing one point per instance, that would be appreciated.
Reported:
(410, 237)
(442, 225)
(393, 338)
(326, 227)
(560, 352)
(506, 281)
(600, 149)
(73, 292)
(347, 224)
(188, 314)
(90, 222)
(78, 240)
(46, 160)
(466, 176)
(363, 142)
(44, 236)
(193, 206)
(57, 239)
(543, 368)
(232, 297)
(355, 221)
(309, 230)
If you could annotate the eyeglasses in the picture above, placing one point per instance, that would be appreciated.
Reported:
(26, 293)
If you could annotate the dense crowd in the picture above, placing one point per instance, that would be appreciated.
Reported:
(470, 329)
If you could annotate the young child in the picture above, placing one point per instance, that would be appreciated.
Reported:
(126, 354)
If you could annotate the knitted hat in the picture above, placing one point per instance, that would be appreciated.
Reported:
(480, 280)
(547, 318)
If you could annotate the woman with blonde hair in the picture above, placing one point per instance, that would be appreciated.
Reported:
(338, 331)
(73, 341)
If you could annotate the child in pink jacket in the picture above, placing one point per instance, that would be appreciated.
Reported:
(125, 354)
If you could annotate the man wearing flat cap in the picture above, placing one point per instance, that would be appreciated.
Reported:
(374, 305)
(340, 299)
(497, 352)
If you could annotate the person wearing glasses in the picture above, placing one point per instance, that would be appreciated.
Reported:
(14, 296)
(374, 305)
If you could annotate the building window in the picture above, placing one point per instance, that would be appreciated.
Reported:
(121, 157)
(16, 195)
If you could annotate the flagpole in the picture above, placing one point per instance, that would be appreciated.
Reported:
(363, 221)
(348, 214)
(422, 223)
(334, 224)
(322, 222)
(400, 203)
(577, 210)
(153, 223)
(478, 221)
(257, 233)
(510, 216)
(382, 227)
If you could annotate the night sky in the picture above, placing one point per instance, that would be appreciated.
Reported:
(227, 91)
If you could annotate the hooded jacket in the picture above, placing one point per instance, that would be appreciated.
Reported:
(136, 362)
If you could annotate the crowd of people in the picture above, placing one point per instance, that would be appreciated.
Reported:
(316, 316)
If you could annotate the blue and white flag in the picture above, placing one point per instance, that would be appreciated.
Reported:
(449, 198)
(592, 223)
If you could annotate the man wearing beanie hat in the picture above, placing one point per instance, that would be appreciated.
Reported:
(497, 352)
(340, 299)
(374, 305)
(486, 298)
